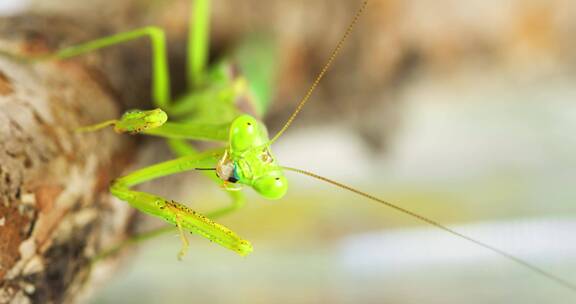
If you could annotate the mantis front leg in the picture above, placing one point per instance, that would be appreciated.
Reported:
(173, 212)
(180, 148)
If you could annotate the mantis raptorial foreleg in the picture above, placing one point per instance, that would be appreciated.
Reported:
(173, 212)
(180, 148)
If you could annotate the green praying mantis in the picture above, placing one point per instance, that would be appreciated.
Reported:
(210, 112)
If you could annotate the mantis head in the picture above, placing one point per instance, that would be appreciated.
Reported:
(248, 159)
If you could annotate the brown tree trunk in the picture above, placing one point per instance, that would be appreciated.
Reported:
(55, 209)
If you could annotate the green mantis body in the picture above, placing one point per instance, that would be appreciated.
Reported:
(209, 112)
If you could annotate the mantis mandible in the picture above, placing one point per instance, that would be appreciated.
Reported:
(209, 112)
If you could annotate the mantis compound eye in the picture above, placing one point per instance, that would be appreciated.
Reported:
(272, 186)
(246, 132)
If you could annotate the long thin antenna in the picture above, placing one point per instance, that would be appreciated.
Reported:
(500, 252)
(321, 74)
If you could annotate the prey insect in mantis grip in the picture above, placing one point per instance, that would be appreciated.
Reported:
(245, 160)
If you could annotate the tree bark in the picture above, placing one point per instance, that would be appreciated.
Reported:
(55, 209)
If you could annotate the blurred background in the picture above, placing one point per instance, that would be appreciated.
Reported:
(462, 111)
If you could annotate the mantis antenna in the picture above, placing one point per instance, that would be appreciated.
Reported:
(321, 74)
(434, 223)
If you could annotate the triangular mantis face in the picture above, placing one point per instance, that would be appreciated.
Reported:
(249, 160)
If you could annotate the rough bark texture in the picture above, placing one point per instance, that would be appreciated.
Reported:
(55, 210)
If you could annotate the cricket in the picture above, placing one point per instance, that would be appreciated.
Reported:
(210, 112)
